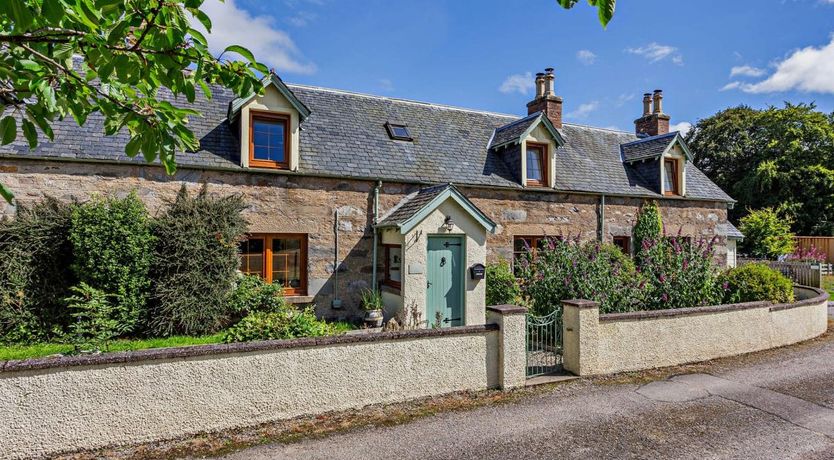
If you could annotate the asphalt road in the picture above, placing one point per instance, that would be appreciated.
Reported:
(777, 404)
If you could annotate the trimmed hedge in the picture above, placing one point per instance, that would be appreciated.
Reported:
(754, 282)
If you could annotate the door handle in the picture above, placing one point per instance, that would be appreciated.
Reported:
(428, 284)
(442, 261)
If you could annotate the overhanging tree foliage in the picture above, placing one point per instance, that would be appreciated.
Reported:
(117, 58)
(772, 158)
(605, 8)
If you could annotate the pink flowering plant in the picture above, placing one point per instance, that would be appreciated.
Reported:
(563, 268)
(677, 272)
(812, 254)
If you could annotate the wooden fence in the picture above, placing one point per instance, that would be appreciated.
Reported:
(804, 273)
(824, 244)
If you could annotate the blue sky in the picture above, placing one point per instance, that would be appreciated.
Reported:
(705, 55)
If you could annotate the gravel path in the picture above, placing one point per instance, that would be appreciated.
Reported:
(779, 404)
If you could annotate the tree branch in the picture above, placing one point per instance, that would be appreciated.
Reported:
(154, 14)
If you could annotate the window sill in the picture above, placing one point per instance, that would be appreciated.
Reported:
(259, 165)
(299, 299)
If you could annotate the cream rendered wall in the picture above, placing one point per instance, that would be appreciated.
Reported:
(539, 135)
(608, 344)
(415, 252)
(731, 252)
(677, 153)
(47, 412)
(272, 101)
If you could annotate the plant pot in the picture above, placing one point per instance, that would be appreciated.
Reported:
(373, 318)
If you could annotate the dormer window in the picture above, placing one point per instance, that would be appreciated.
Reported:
(269, 145)
(536, 164)
(398, 132)
(671, 184)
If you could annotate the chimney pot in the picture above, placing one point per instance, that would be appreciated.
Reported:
(549, 78)
(539, 85)
(658, 101)
(549, 70)
(546, 100)
(647, 104)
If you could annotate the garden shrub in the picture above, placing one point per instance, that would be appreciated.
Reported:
(196, 263)
(767, 234)
(566, 269)
(112, 247)
(95, 321)
(501, 285)
(649, 226)
(755, 281)
(679, 273)
(35, 257)
(253, 294)
(286, 324)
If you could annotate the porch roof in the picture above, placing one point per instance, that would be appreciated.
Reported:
(415, 207)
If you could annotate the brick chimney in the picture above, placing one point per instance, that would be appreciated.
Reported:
(654, 121)
(546, 99)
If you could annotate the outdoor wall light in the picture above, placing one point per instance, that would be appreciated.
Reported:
(449, 223)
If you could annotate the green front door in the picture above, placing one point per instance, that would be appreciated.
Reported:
(445, 270)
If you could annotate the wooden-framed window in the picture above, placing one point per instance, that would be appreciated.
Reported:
(393, 265)
(671, 185)
(536, 164)
(624, 243)
(277, 258)
(269, 140)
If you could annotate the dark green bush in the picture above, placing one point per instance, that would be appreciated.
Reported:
(94, 320)
(501, 285)
(679, 273)
(196, 263)
(112, 247)
(753, 282)
(287, 324)
(35, 257)
(649, 227)
(253, 294)
(566, 269)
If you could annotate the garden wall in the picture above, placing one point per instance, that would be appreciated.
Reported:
(49, 406)
(620, 342)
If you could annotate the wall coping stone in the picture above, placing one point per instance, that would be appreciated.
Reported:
(508, 309)
(153, 354)
(581, 303)
(691, 311)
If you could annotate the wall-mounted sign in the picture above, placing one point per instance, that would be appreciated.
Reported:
(477, 271)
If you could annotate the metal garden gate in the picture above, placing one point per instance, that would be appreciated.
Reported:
(544, 343)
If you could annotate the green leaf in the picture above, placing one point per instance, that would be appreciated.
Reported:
(19, 13)
(133, 145)
(605, 11)
(52, 10)
(245, 53)
(6, 194)
(197, 36)
(204, 19)
(567, 4)
(8, 129)
(31, 133)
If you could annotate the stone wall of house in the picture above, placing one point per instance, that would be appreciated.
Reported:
(286, 203)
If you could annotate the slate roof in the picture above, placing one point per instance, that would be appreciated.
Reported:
(729, 230)
(411, 205)
(344, 136)
(512, 131)
(649, 147)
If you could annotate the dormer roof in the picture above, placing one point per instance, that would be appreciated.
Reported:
(275, 81)
(653, 147)
(516, 131)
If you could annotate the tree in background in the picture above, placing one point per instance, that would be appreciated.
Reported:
(776, 157)
(648, 228)
(605, 8)
(61, 58)
(767, 234)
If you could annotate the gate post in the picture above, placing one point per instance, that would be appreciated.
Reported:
(512, 346)
(580, 323)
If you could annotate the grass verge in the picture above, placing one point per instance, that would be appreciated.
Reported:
(40, 350)
(828, 285)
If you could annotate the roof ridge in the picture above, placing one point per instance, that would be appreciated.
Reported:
(397, 99)
(578, 125)
(652, 138)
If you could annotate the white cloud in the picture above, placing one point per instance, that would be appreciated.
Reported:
(746, 71)
(586, 57)
(518, 83)
(583, 110)
(809, 69)
(270, 45)
(623, 98)
(731, 85)
(385, 85)
(302, 18)
(655, 52)
(683, 127)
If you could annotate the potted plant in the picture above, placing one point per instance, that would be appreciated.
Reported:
(372, 304)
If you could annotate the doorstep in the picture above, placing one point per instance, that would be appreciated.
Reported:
(550, 378)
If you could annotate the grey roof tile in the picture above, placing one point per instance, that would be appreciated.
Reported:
(648, 147)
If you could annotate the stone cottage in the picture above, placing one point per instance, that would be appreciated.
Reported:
(336, 180)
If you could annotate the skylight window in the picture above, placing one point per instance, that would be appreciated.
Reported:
(398, 132)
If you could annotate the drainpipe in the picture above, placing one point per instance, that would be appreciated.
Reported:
(337, 302)
(376, 234)
(602, 218)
